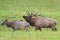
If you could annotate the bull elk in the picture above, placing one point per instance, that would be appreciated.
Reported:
(40, 22)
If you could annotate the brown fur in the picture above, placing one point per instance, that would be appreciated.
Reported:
(17, 24)
(40, 22)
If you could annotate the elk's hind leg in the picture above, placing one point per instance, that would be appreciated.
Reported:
(55, 29)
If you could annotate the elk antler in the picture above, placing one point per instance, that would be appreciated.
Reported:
(36, 13)
(28, 13)
(32, 13)
(41, 14)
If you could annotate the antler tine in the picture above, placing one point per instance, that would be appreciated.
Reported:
(42, 15)
(28, 13)
(36, 14)
(32, 13)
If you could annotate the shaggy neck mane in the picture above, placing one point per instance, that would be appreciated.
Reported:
(28, 20)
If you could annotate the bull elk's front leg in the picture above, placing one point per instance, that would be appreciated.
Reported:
(38, 28)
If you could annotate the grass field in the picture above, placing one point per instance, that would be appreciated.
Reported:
(17, 8)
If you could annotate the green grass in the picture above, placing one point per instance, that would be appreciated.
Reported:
(17, 8)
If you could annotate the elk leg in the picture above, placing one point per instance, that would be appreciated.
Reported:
(55, 29)
(40, 29)
(26, 28)
(37, 28)
(14, 30)
(52, 29)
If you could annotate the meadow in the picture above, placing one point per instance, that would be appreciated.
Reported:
(18, 8)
